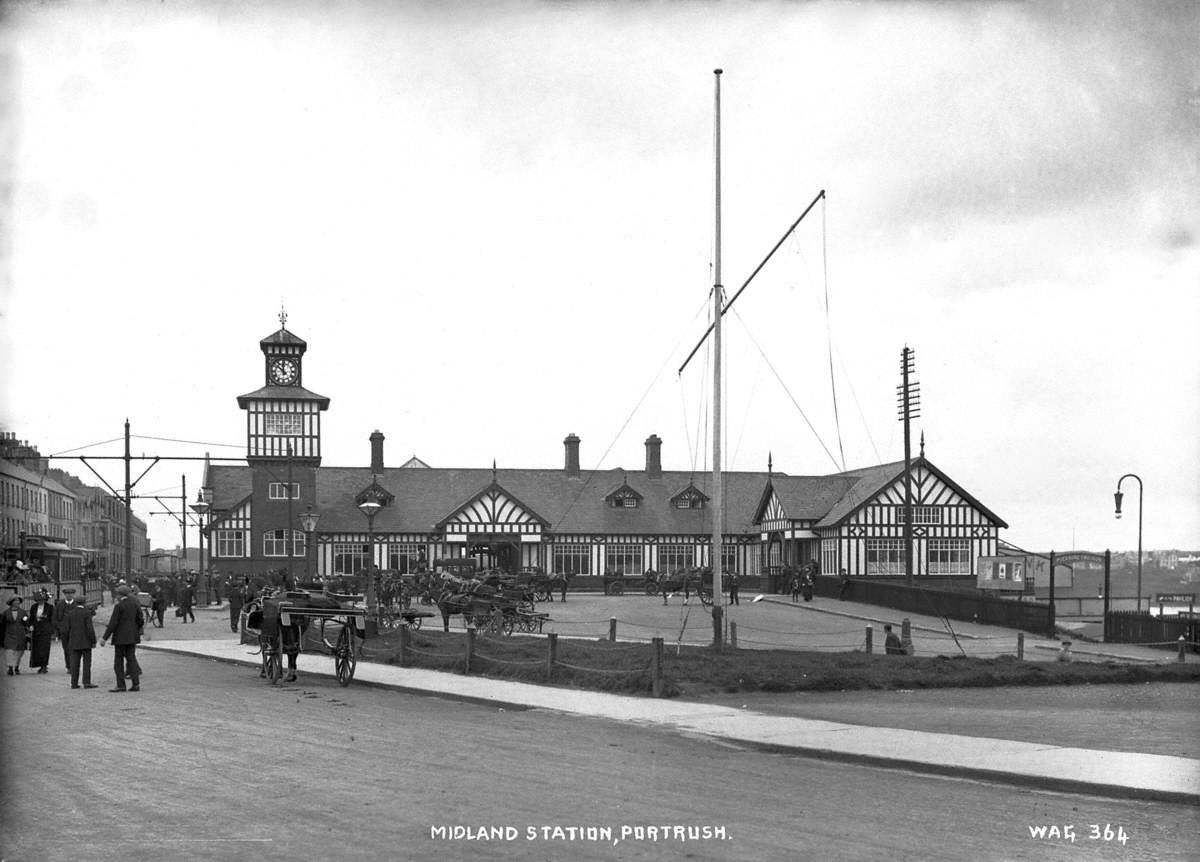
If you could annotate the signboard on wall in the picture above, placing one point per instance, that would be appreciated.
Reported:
(1003, 574)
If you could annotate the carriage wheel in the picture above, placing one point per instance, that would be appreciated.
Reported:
(414, 623)
(345, 661)
(706, 599)
(275, 659)
(616, 589)
(506, 625)
(651, 588)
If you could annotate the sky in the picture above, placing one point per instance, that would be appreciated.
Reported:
(493, 224)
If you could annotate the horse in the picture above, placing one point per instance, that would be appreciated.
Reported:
(263, 615)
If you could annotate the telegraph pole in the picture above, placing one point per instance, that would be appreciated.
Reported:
(128, 506)
(910, 408)
(183, 524)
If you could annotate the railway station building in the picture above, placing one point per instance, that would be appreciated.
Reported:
(586, 524)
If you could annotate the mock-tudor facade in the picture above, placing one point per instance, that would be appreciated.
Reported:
(582, 523)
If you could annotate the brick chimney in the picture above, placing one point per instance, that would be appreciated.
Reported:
(571, 443)
(653, 457)
(377, 453)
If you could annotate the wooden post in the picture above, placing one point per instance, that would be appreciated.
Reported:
(1050, 611)
(869, 638)
(733, 634)
(1182, 644)
(470, 648)
(612, 630)
(551, 654)
(656, 667)
(1020, 646)
(1107, 585)
(906, 636)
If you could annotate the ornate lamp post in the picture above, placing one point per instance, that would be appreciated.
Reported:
(308, 522)
(201, 507)
(370, 502)
(1117, 496)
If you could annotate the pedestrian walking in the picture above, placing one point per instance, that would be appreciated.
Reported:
(237, 598)
(891, 642)
(733, 588)
(795, 584)
(81, 639)
(566, 580)
(807, 588)
(61, 606)
(125, 630)
(187, 596)
(14, 631)
(41, 631)
(159, 605)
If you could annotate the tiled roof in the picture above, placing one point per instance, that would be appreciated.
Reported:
(576, 504)
(282, 336)
(231, 484)
(570, 504)
(284, 393)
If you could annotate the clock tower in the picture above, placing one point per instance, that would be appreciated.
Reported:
(283, 419)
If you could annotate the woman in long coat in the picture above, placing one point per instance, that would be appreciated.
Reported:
(14, 626)
(41, 623)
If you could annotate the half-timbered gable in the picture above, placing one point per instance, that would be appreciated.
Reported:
(864, 532)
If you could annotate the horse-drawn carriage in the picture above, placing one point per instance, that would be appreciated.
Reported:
(686, 581)
(280, 621)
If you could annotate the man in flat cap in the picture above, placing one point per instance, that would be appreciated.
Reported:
(125, 630)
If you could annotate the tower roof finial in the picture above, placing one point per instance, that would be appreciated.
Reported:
(922, 442)
(282, 316)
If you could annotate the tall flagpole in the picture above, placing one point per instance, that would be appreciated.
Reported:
(718, 507)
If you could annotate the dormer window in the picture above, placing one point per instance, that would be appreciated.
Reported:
(690, 497)
(624, 498)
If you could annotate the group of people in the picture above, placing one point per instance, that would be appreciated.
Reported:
(70, 619)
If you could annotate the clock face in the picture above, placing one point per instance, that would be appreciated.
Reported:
(283, 371)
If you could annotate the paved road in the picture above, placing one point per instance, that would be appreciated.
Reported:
(209, 763)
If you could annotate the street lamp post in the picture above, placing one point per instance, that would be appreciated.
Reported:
(308, 522)
(369, 506)
(201, 507)
(1117, 496)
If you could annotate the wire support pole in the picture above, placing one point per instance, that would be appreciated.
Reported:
(717, 507)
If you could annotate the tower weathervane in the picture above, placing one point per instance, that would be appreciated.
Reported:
(282, 315)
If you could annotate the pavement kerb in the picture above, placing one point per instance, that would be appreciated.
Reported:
(1178, 779)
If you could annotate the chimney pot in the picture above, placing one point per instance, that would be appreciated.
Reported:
(653, 457)
(571, 443)
(376, 452)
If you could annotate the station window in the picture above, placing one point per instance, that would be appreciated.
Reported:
(885, 557)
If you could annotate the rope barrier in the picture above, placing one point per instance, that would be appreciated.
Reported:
(746, 628)
(504, 661)
(414, 651)
(601, 670)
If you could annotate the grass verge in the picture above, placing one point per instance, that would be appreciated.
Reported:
(624, 668)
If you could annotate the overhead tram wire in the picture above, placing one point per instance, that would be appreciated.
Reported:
(192, 442)
(88, 446)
